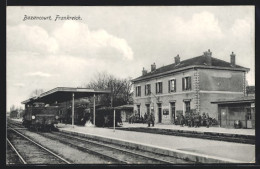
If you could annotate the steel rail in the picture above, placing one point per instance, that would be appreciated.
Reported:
(19, 155)
(49, 151)
(85, 149)
(119, 149)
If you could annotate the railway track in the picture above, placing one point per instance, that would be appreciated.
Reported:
(114, 153)
(122, 154)
(31, 152)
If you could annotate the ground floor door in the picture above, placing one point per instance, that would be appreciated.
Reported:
(173, 112)
(248, 118)
(159, 112)
(223, 117)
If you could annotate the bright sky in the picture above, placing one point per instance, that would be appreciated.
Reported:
(119, 40)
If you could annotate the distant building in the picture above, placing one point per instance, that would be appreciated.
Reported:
(188, 86)
(14, 114)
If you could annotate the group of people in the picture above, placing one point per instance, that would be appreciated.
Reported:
(147, 118)
(195, 120)
(190, 119)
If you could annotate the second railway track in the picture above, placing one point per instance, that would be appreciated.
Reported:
(114, 154)
(122, 154)
(31, 152)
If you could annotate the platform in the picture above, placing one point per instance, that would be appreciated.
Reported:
(249, 132)
(193, 149)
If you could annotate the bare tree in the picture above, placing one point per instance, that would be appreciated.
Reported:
(36, 92)
(120, 89)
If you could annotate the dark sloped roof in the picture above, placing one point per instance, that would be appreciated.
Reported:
(127, 106)
(243, 99)
(196, 61)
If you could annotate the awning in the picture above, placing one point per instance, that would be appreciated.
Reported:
(62, 94)
(246, 99)
(125, 107)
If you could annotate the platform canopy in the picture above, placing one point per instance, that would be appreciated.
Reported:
(62, 94)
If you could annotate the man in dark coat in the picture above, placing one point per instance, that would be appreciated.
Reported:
(207, 120)
(203, 119)
(182, 120)
(196, 120)
(145, 117)
(150, 119)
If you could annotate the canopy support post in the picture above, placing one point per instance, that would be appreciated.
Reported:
(72, 108)
(94, 110)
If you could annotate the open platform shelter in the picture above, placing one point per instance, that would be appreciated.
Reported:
(62, 94)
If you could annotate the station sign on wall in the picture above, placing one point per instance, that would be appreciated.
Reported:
(165, 111)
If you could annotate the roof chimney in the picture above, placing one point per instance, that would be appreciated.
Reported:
(233, 59)
(177, 59)
(153, 67)
(144, 72)
(208, 55)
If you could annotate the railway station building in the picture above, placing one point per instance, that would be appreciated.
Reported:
(188, 86)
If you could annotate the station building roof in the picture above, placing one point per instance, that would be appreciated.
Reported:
(195, 62)
(62, 94)
(245, 99)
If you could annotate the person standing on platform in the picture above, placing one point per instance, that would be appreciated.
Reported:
(196, 120)
(149, 120)
(152, 118)
(207, 120)
(145, 117)
(203, 119)
(182, 120)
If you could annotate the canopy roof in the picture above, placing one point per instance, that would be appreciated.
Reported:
(62, 94)
(245, 99)
(125, 107)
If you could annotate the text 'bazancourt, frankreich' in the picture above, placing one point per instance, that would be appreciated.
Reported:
(49, 18)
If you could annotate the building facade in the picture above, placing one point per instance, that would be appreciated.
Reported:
(188, 86)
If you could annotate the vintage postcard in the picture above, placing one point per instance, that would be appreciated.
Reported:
(133, 85)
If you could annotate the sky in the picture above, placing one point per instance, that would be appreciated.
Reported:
(44, 54)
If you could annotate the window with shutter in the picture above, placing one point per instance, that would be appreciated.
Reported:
(169, 86)
(159, 87)
(172, 85)
(183, 81)
(189, 83)
(175, 85)
(186, 83)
